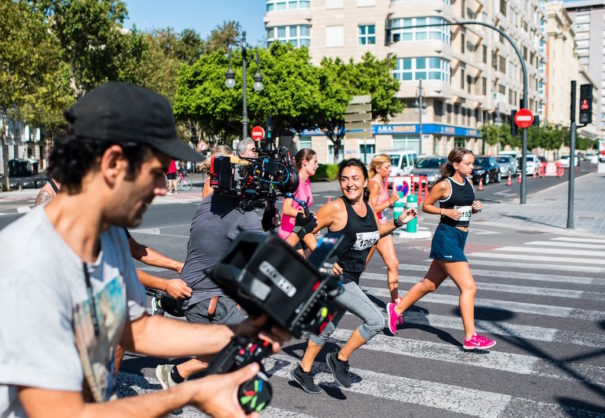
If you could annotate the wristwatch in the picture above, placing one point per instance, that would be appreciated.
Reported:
(398, 222)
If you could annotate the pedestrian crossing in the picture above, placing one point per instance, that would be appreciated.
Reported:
(542, 301)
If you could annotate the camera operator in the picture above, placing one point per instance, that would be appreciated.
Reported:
(215, 225)
(67, 307)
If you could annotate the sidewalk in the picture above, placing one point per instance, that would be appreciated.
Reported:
(547, 209)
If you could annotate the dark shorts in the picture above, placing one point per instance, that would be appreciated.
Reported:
(171, 176)
(226, 312)
(448, 243)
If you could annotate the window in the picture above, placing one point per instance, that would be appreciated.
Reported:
(483, 86)
(334, 4)
(335, 36)
(484, 54)
(287, 5)
(297, 35)
(399, 30)
(462, 78)
(462, 43)
(366, 152)
(503, 7)
(341, 152)
(422, 68)
(459, 143)
(305, 142)
(367, 35)
(502, 66)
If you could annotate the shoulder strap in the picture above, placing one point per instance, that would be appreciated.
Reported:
(53, 185)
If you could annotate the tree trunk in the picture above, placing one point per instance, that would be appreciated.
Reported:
(4, 124)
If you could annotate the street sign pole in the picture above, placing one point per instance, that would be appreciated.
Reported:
(572, 157)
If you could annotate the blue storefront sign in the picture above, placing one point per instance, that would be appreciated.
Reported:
(427, 129)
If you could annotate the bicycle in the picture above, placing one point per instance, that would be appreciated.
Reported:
(182, 182)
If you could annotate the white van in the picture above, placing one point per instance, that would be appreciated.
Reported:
(402, 161)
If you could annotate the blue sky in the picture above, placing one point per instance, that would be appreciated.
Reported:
(200, 15)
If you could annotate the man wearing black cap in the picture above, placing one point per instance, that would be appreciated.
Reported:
(69, 287)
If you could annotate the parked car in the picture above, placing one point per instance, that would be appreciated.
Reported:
(402, 161)
(564, 161)
(593, 157)
(486, 169)
(514, 165)
(532, 164)
(507, 165)
(429, 167)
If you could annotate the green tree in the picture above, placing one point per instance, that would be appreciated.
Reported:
(341, 81)
(29, 63)
(224, 36)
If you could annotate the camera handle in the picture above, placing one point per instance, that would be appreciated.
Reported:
(255, 394)
(303, 204)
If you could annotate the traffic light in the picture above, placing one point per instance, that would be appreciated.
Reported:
(513, 125)
(586, 104)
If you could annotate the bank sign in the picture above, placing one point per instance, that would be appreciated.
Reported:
(427, 129)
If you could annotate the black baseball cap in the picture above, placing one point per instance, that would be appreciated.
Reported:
(121, 112)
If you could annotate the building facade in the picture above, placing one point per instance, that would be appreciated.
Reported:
(562, 66)
(589, 20)
(470, 75)
(22, 143)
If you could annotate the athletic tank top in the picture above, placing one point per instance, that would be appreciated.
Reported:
(383, 197)
(461, 198)
(360, 234)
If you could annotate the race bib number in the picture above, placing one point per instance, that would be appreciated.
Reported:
(466, 212)
(365, 240)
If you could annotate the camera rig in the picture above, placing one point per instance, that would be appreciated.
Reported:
(265, 275)
(263, 178)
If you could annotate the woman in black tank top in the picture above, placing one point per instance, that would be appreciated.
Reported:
(457, 203)
(352, 216)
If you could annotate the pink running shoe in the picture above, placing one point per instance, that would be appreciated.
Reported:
(400, 316)
(392, 317)
(478, 342)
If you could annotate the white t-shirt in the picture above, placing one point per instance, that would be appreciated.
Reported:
(47, 338)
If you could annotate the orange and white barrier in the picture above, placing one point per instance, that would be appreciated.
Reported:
(418, 185)
(553, 169)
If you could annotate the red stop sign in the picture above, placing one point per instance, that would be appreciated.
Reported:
(257, 133)
(524, 118)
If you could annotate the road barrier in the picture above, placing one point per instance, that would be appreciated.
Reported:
(418, 185)
(553, 169)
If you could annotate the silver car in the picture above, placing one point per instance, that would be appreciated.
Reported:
(507, 165)
(429, 167)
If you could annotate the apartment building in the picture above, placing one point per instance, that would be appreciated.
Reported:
(470, 75)
(562, 66)
(589, 20)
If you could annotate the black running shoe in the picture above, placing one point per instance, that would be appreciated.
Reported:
(305, 380)
(340, 369)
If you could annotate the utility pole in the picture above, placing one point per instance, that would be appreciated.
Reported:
(572, 157)
(420, 117)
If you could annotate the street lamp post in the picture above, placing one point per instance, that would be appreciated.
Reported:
(420, 105)
(258, 82)
(523, 69)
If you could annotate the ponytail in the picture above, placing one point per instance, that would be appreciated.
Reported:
(455, 156)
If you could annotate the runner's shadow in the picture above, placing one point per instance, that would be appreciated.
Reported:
(571, 406)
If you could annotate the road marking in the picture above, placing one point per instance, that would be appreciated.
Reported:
(496, 360)
(456, 399)
(506, 193)
(24, 209)
(538, 250)
(506, 305)
(479, 231)
(506, 288)
(566, 245)
(556, 267)
(157, 231)
(127, 382)
(514, 275)
(578, 239)
(507, 329)
(537, 258)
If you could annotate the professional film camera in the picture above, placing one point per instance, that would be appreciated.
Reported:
(265, 275)
(263, 178)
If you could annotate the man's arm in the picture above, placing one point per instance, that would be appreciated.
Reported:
(176, 288)
(215, 395)
(151, 257)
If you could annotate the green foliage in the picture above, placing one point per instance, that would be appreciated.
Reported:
(548, 137)
(325, 172)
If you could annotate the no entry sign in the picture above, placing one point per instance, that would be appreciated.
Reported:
(257, 133)
(524, 118)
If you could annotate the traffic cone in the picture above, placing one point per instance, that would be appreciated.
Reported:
(534, 176)
(509, 182)
(329, 199)
(480, 185)
(520, 175)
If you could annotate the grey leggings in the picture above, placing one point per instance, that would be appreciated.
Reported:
(354, 300)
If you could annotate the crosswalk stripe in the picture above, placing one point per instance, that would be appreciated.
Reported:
(514, 275)
(507, 329)
(577, 239)
(491, 254)
(496, 360)
(538, 250)
(142, 384)
(506, 288)
(455, 399)
(506, 305)
(534, 266)
(566, 245)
